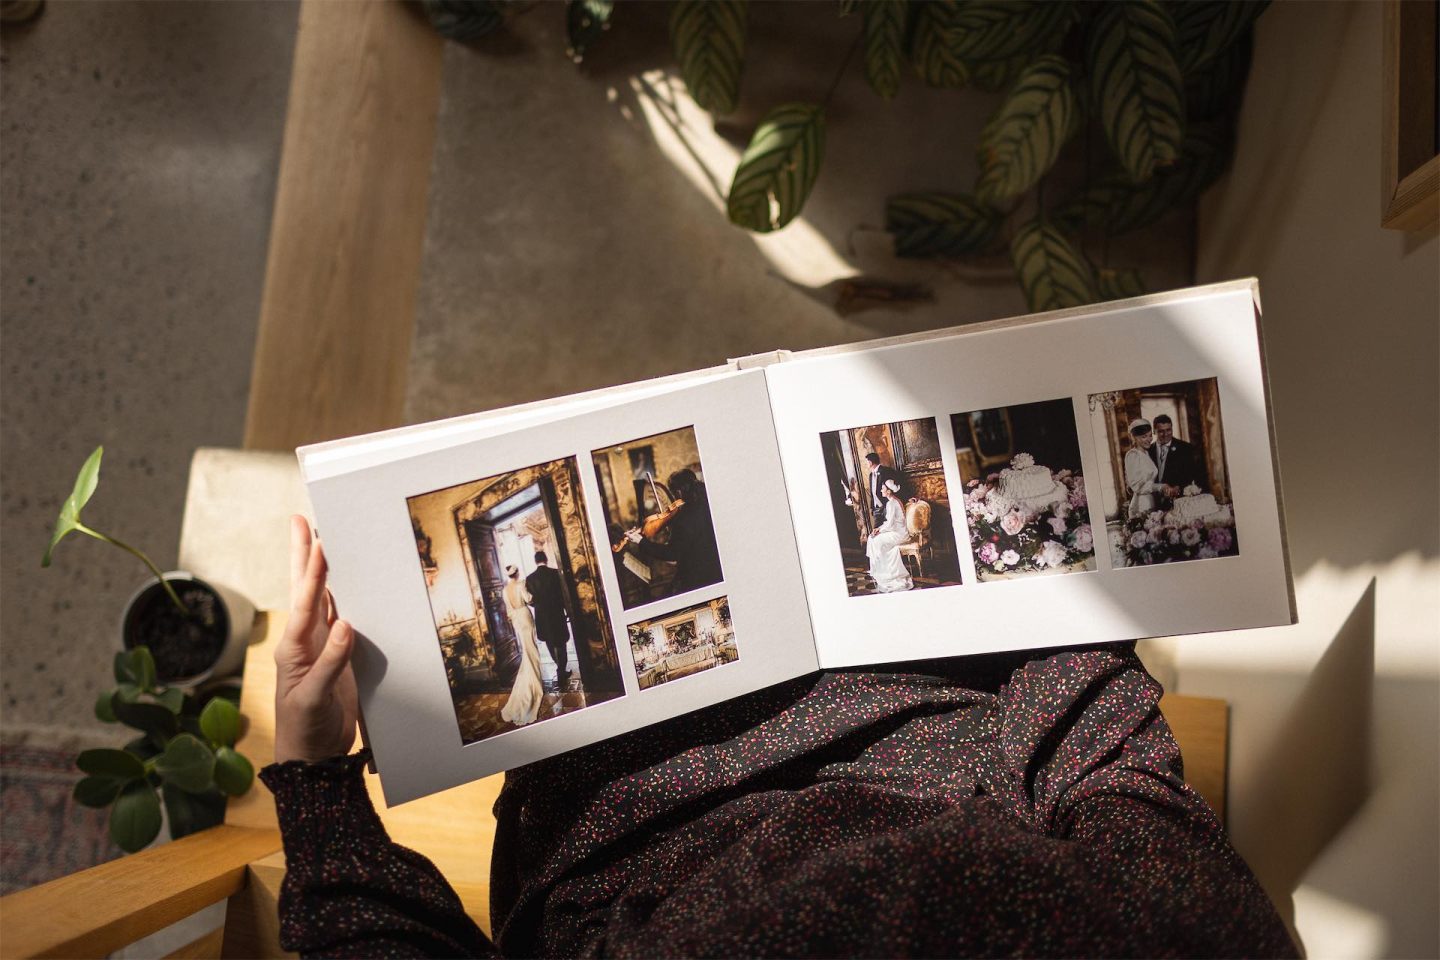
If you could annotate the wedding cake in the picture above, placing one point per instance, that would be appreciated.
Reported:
(1027, 485)
(1194, 506)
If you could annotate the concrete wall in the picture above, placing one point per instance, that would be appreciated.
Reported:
(1322, 794)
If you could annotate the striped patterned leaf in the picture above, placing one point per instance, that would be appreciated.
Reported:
(708, 37)
(1136, 84)
(884, 44)
(935, 61)
(778, 168)
(1119, 284)
(999, 29)
(941, 225)
(1206, 28)
(1023, 139)
(585, 21)
(1115, 204)
(1052, 272)
(1214, 90)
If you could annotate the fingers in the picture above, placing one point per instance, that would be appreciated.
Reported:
(333, 659)
(299, 550)
(307, 598)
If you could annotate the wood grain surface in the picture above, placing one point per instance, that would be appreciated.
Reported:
(343, 266)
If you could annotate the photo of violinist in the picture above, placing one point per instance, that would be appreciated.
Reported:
(657, 513)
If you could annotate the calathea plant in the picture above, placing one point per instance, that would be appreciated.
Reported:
(1144, 91)
(184, 757)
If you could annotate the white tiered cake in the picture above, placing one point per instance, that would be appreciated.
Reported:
(1026, 485)
(1194, 506)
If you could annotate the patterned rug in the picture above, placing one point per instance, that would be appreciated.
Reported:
(44, 833)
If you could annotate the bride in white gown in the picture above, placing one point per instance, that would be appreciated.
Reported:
(887, 566)
(1140, 471)
(526, 695)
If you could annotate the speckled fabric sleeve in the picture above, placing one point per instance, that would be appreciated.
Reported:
(975, 807)
(349, 891)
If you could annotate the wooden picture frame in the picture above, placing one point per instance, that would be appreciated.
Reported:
(1410, 146)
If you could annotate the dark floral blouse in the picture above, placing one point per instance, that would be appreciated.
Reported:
(978, 806)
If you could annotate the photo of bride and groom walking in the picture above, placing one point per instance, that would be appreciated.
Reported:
(510, 573)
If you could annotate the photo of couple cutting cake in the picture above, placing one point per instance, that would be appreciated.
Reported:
(1167, 494)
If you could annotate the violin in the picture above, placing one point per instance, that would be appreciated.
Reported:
(651, 526)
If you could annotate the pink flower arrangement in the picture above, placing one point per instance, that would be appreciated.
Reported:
(1077, 492)
(1221, 539)
(1051, 554)
(1012, 523)
(1084, 538)
(988, 553)
(1057, 526)
(1010, 558)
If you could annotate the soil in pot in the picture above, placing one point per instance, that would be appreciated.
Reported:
(183, 646)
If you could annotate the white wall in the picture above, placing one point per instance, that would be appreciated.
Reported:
(1320, 796)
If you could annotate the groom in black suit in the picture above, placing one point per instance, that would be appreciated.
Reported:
(1178, 462)
(547, 593)
(879, 475)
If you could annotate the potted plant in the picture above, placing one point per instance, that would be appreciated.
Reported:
(194, 630)
(184, 757)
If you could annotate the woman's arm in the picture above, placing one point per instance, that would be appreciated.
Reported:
(348, 890)
(1138, 477)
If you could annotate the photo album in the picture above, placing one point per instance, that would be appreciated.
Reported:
(530, 580)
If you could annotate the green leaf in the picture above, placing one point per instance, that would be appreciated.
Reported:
(884, 44)
(192, 812)
(585, 22)
(999, 29)
(708, 37)
(220, 722)
(233, 773)
(135, 818)
(778, 168)
(145, 747)
(116, 764)
(1116, 205)
(145, 717)
(1136, 83)
(1052, 273)
(136, 667)
(1214, 90)
(97, 791)
(103, 712)
(1022, 141)
(848, 7)
(1206, 28)
(188, 763)
(935, 60)
(69, 519)
(1119, 284)
(941, 224)
(126, 693)
(171, 698)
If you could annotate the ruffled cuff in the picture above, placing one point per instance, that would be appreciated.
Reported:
(319, 803)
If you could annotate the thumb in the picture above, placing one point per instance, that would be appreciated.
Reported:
(334, 658)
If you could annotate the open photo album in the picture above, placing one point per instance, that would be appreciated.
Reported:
(530, 580)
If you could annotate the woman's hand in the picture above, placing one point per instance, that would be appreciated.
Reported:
(316, 705)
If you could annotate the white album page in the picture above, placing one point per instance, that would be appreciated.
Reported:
(1057, 481)
(523, 594)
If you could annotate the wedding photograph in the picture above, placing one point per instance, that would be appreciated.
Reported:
(657, 513)
(1167, 490)
(1026, 508)
(510, 570)
(886, 485)
(693, 639)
